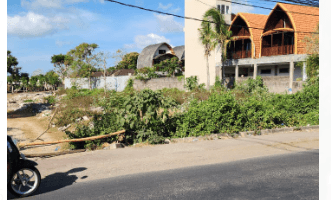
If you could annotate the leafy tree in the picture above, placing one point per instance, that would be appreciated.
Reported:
(207, 39)
(129, 61)
(11, 63)
(83, 59)
(62, 64)
(221, 32)
(52, 78)
(170, 66)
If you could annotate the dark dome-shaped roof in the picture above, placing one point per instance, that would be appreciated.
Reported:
(180, 52)
(145, 58)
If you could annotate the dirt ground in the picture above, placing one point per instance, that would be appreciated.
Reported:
(27, 128)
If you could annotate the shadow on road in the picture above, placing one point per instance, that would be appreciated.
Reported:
(56, 181)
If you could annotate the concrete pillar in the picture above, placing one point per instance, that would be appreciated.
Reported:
(291, 77)
(236, 73)
(255, 71)
(304, 73)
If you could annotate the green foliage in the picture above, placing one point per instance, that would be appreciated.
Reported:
(169, 66)
(129, 61)
(129, 85)
(145, 73)
(191, 83)
(151, 116)
(11, 63)
(50, 100)
(28, 101)
(52, 78)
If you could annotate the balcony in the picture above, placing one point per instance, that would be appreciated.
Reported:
(239, 54)
(277, 50)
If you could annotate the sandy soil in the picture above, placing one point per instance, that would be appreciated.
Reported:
(26, 129)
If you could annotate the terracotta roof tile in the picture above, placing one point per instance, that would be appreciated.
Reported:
(302, 23)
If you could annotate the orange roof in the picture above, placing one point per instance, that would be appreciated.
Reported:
(256, 21)
(301, 22)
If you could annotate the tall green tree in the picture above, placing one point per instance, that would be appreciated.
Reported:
(84, 61)
(52, 78)
(11, 63)
(221, 32)
(62, 64)
(129, 61)
(207, 39)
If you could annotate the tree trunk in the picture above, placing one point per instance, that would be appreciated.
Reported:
(208, 77)
(104, 76)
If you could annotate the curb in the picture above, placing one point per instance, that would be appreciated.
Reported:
(241, 134)
(277, 130)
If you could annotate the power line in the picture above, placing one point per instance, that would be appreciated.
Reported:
(269, 8)
(183, 17)
(279, 10)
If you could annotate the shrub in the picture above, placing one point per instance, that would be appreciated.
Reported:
(50, 100)
(146, 73)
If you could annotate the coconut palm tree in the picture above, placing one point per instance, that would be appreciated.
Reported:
(207, 38)
(221, 32)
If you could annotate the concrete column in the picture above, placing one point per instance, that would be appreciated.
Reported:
(304, 73)
(236, 73)
(291, 77)
(255, 71)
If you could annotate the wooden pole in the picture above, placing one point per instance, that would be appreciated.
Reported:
(72, 140)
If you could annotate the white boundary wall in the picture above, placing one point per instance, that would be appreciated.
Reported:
(116, 83)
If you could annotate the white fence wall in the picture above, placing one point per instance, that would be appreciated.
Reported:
(116, 83)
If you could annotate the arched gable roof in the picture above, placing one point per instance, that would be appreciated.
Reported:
(253, 20)
(300, 22)
(180, 52)
(145, 58)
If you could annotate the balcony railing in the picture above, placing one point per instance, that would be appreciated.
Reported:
(277, 50)
(239, 54)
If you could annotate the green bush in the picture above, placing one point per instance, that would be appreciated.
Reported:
(50, 100)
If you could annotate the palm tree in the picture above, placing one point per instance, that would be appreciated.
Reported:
(207, 38)
(221, 32)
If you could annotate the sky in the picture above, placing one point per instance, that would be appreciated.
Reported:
(39, 29)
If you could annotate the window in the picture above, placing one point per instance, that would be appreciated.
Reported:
(222, 9)
(283, 70)
(162, 51)
(227, 10)
(265, 71)
(218, 7)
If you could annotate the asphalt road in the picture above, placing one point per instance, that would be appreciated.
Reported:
(290, 176)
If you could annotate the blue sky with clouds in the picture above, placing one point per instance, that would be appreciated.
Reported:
(38, 29)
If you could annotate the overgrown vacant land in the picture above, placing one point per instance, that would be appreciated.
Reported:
(152, 116)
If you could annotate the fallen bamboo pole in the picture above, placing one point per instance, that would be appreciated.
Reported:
(53, 153)
(72, 140)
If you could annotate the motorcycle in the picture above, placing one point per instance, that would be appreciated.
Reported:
(23, 178)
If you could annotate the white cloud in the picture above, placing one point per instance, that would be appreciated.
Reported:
(167, 23)
(36, 4)
(62, 43)
(164, 7)
(33, 25)
(176, 10)
(240, 8)
(141, 41)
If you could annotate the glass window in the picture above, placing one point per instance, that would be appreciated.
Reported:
(222, 9)
(265, 71)
(162, 51)
(227, 10)
(283, 70)
(218, 7)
